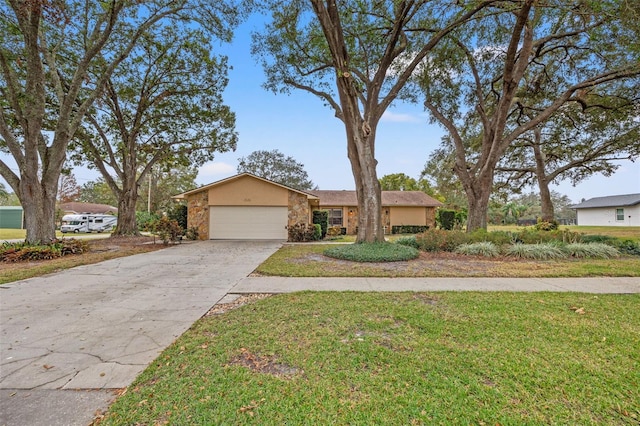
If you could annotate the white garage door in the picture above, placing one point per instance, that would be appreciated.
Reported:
(248, 223)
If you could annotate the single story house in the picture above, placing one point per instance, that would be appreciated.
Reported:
(615, 210)
(245, 206)
(398, 208)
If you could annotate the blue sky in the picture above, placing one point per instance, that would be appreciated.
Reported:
(300, 126)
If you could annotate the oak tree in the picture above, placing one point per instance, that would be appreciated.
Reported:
(357, 57)
(574, 145)
(491, 83)
(56, 58)
(161, 109)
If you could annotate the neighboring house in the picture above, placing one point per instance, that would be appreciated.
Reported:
(413, 208)
(615, 210)
(249, 207)
(11, 217)
(92, 208)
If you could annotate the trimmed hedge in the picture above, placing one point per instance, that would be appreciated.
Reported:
(446, 218)
(408, 229)
(372, 252)
(321, 217)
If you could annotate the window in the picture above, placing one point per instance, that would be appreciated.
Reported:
(619, 214)
(335, 217)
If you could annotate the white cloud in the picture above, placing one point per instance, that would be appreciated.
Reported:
(389, 116)
(215, 169)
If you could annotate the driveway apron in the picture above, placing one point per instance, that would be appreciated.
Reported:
(98, 326)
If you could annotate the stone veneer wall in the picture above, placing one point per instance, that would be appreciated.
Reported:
(431, 217)
(386, 219)
(298, 208)
(352, 219)
(198, 213)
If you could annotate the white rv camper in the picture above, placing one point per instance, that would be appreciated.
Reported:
(88, 223)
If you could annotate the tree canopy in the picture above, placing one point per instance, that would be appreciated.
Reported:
(490, 83)
(56, 58)
(162, 109)
(276, 167)
(402, 182)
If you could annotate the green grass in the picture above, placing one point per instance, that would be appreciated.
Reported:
(400, 359)
(622, 232)
(372, 252)
(21, 234)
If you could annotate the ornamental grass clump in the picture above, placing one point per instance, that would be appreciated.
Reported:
(591, 250)
(483, 248)
(544, 251)
(372, 252)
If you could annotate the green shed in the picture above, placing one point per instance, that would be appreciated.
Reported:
(11, 217)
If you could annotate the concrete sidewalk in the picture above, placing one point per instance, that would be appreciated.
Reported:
(613, 285)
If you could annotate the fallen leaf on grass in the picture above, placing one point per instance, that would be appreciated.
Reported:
(579, 311)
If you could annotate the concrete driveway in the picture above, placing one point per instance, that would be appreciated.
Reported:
(98, 326)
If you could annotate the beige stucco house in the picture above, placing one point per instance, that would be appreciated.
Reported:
(249, 207)
(413, 208)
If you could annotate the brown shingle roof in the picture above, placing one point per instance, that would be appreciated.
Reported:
(88, 208)
(389, 198)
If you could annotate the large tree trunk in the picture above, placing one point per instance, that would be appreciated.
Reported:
(548, 213)
(360, 130)
(127, 201)
(478, 208)
(478, 189)
(39, 205)
(363, 166)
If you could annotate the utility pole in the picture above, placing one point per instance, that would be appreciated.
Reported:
(149, 194)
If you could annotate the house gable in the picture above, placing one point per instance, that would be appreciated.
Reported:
(248, 191)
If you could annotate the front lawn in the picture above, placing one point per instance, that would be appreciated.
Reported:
(309, 261)
(399, 359)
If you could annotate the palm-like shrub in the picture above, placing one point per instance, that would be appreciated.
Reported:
(482, 248)
(591, 250)
(536, 251)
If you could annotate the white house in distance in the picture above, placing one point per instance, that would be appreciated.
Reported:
(615, 210)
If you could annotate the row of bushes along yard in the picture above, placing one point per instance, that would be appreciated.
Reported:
(526, 242)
